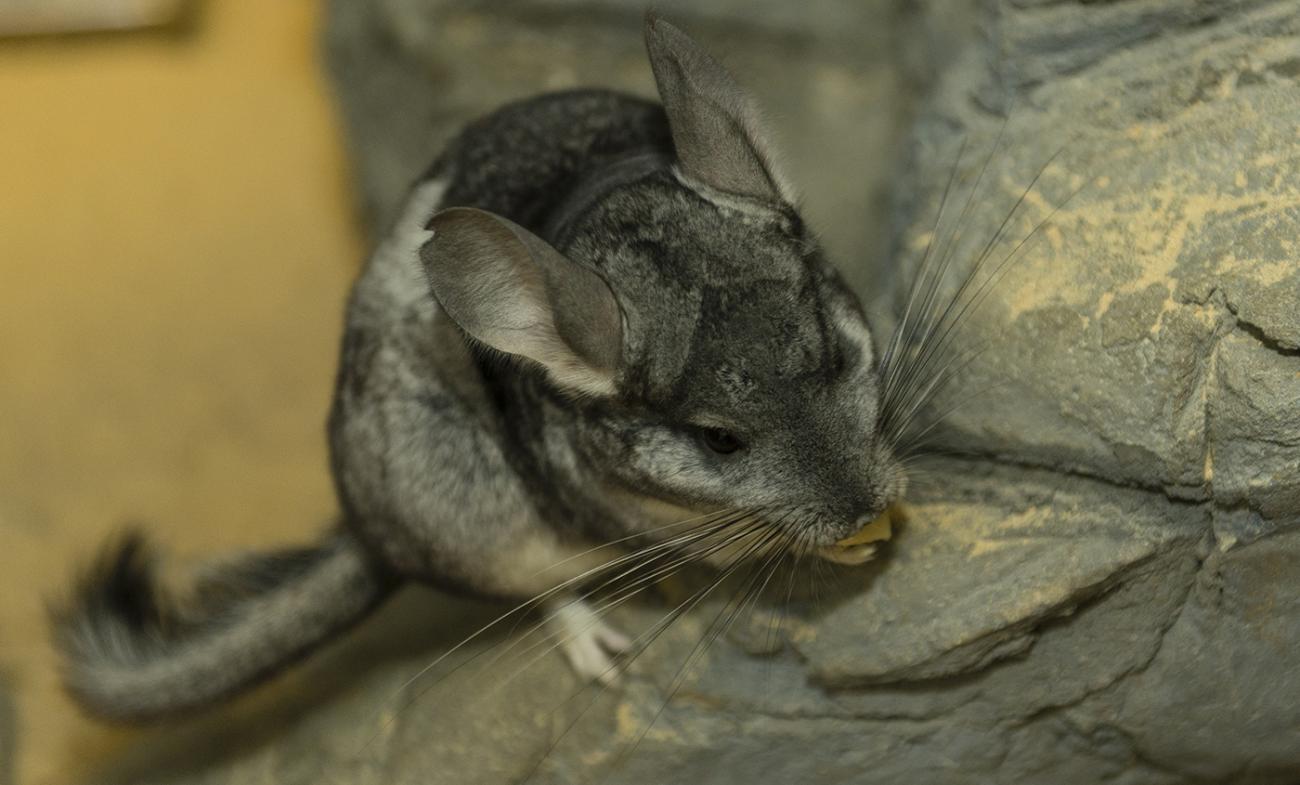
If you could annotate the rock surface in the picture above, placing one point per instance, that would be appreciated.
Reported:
(1103, 589)
(1148, 334)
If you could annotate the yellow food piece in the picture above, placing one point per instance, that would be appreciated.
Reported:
(878, 530)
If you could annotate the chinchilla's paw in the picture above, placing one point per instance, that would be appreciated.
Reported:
(588, 643)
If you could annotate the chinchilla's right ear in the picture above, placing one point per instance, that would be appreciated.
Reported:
(715, 127)
(510, 290)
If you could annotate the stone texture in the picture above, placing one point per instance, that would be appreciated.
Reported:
(985, 572)
(1099, 590)
(1116, 328)
(1219, 699)
(1146, 336)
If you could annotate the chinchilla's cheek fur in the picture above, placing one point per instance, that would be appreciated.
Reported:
(813, 465)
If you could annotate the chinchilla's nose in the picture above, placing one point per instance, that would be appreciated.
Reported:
(868, 505)
(845, 528)
(857, 499)
(866, 511)
(866, 520)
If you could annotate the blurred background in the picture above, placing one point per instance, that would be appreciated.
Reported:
(187, 195)
(176, 242)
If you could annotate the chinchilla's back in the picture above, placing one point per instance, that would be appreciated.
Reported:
(523, 159)
(521, 162)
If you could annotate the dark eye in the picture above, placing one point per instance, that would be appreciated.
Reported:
(721, 441)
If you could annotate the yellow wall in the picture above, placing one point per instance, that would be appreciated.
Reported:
(175, 247)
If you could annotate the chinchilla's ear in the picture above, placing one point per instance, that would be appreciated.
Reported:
(715, 128)
(510, 290)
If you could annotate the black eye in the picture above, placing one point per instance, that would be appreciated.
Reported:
(721, 441)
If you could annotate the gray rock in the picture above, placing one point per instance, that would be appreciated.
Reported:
(1117, 325)
(1146, 336)
(1100, 589)
(985, 574)
(1219, 700)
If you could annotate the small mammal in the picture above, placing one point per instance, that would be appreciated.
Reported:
(597, 320)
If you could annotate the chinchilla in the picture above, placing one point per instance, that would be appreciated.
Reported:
(598, 321)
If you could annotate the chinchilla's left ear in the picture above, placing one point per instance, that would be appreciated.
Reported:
(715, 128)
(510, 290)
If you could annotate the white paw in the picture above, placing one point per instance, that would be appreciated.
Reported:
(588, 643)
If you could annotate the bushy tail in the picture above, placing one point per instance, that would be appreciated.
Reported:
(130, 655)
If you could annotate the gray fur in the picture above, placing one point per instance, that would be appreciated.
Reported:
(454, 462)
(578, 286)
(512, 292)
(715, 128)
(132, 656)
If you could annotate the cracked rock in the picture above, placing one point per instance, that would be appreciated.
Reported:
(1219, 700)
(1173, 210)
(977, 576)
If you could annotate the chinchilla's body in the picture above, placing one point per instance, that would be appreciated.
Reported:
(413, 394)
(596, 319)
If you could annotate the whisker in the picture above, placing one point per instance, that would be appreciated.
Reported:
(964, 402)
(986, 287)
(936, 282)
(997, 236)
(1016, 252)
(888, 363)
(926, 366)
(644, 581)
(711, 635)
(699, 518)
(517, 609)
(776, 622)
(622, 595)
(941, 378)
(978, 265)
(653, 632)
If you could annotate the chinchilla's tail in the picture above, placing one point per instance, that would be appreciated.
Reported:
(130, 655)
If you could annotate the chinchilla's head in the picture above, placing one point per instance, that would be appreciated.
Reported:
(717, 360)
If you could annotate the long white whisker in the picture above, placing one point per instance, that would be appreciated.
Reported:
(633, 536)
(621, 596)
(655, 630)
(924, 349)
(711, 634)
(928, 309)
(888, 363)
(532, 601)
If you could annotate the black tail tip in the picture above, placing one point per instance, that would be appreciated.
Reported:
(119, 584)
